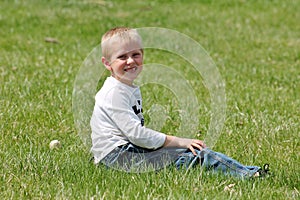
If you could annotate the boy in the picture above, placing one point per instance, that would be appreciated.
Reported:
(120, 139)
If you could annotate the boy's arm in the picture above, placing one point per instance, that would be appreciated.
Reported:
(117, 108)
(191, 144)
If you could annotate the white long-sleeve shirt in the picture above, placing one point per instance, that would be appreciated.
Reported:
(117, 120)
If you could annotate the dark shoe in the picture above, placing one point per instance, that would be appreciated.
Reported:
(263, 172)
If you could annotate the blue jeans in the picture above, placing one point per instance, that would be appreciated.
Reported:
(131, 158)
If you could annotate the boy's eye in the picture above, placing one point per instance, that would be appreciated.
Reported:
(136, 55)
(122, 57)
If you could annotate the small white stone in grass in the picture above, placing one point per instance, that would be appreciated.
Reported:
(229, 187)
(54, 144)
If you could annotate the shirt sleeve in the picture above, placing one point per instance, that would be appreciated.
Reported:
(122, 115)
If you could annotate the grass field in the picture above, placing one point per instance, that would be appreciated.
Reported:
(255, 44)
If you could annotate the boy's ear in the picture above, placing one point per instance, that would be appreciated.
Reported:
(106, 63)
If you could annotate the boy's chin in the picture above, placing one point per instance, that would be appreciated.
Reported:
(132, 74)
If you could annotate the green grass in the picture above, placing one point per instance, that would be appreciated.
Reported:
(255, 45)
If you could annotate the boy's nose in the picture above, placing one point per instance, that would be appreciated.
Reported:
(130, 60)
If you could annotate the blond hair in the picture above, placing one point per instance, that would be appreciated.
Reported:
(118, 35)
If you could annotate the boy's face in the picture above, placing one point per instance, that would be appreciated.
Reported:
(126, 61)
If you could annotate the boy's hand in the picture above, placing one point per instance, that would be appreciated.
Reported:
(191, 144)
(198, 144)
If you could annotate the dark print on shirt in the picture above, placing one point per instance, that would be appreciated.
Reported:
(138, 110)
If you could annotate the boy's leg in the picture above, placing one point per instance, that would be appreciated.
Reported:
(219, 162)
(131, 158)
(216, 162)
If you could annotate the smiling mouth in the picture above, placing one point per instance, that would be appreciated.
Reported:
(130, 69)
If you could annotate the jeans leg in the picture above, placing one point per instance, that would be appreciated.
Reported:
(131, 158)
(188, 160)
(219, 162)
